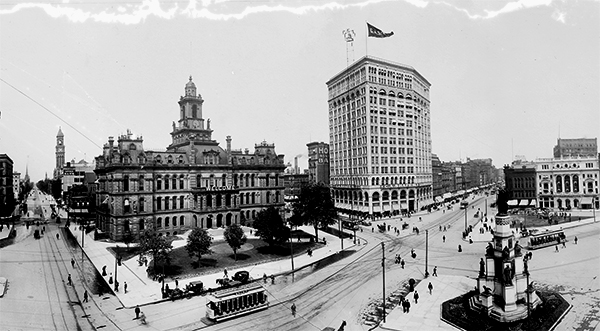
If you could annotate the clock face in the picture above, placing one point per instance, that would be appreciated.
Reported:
(60, 142)
(196, 124)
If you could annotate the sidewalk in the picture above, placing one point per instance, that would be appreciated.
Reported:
(426, 315)
(142, 290)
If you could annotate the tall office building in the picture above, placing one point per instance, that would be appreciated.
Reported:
(576, 147)
(380, 138)
(318, 162)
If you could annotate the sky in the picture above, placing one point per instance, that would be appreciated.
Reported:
(507, 77)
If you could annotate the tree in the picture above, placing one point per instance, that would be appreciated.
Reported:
(315, 207)
(157, 246)
(235, 237)
(270, 227)
(198, 243)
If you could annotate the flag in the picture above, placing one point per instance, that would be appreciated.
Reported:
(377, 33)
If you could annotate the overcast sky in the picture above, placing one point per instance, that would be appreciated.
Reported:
(507, 76)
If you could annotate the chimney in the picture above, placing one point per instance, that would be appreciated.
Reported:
(296, 170)
(228, 144)
(111, 141)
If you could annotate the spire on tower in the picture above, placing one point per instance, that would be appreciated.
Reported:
(60, 134)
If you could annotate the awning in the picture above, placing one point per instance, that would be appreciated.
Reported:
(386, 207)
(447, 195)
(512, 202)
(585, 201)
(377, 209)
(533, 203)
(523, 203)
(403, 205)
(461, 192)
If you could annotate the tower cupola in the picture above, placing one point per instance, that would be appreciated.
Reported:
(190, 88)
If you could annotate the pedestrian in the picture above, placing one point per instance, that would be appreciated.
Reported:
(137, 312)
(402, 263)
(460, 248)
(72, 263)
(176, 284)
(57, 237)
(125, 286)
(444, 238)
(293, 309)
(575, 240)
(225, 272)
(85, 296)
(265, 278)
(69, 280)
(564, 244)
(116, 286)
(434, 271)
(556, 251)
(416, 297)
(272, 279)
(430, 287)
(407, 306)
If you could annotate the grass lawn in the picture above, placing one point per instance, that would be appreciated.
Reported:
(533, 221)
(255, 251)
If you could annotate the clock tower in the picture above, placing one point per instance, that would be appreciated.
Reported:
(191, 125)
(60, 153)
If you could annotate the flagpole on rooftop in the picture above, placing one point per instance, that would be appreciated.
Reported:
(366, 39)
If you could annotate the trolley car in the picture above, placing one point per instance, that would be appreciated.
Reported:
(235, 301)
(546, 238)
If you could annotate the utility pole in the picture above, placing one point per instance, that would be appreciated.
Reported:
(82, 238)
(292, 247)
(341, 233)
(116, 258)
(383, 267)
(426, 253)
(466, 208)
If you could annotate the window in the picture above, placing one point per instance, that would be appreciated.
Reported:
(174, 202)
(158, 184)
(181, 183)
(141, 183)
(126, 206)
(159, 222)
(126, 183)
(141, 204)
(158, 203)
(181, 202)
(174, 183)
(166, 183)
(181, 220)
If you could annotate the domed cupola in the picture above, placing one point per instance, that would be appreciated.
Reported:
(190, 88)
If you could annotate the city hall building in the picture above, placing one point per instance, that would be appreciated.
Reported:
(193, 183)
(380, 138)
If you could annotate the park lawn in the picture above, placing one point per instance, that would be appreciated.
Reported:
(534, 221)
(255, 251)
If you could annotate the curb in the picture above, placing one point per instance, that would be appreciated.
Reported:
(3, 283)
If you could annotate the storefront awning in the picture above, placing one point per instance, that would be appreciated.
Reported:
(447, 195)
(523, 202)
(377, 209)
(461, 192)
(512, 202)
(532, 203)
(586, 201)
(403, 205)
(386, 207)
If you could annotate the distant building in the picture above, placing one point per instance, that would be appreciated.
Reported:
(318, 162)
(586, 147)
(521, 184)
(293, 184)
(59, 154)
(437, 176)
(7, 196)
(77, 173)
(379, 138)
(567, 182)
(193, 184)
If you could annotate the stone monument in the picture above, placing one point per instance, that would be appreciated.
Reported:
(503, 282)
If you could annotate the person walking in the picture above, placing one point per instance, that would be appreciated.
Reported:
(85, 296)
(137, 312)
(125, 286)
(434, 271)
(402, 263)
(575, 240)
(293, 309)
(430, 287)
(72, 263)
(556, 250)
(69, 280)
(57, 237)
(444, 238)
(416, 297)
(564, 244)
(407, 306)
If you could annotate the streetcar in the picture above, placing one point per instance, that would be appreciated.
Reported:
(464, 204)
(236, 301)
(546, 238)
(350, 225)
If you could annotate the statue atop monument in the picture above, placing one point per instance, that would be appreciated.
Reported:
(502, 202)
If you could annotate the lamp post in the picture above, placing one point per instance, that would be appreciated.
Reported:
(291, 247)
(383, 268)
(426, 252)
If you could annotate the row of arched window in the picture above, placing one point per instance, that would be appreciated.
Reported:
(173, 221)
(567, 183)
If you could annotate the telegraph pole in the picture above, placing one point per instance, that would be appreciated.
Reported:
(292, 248)
(383, 267)
(426, 252)
(466, 226)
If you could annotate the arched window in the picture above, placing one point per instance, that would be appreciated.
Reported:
(158, 203)
(209, 200)
(218, 204)
(166, 222)
(224, 180)
(194, 111)
(125, 183)
(159, 222)
(166, 203)
(181, 220)
(174, 220)
(141, 204)
(575, 184)
(174, 202)
(174, 182)
(181, 184)
(166, 182)
(559, 186)
(141, 183)
(181, 202)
